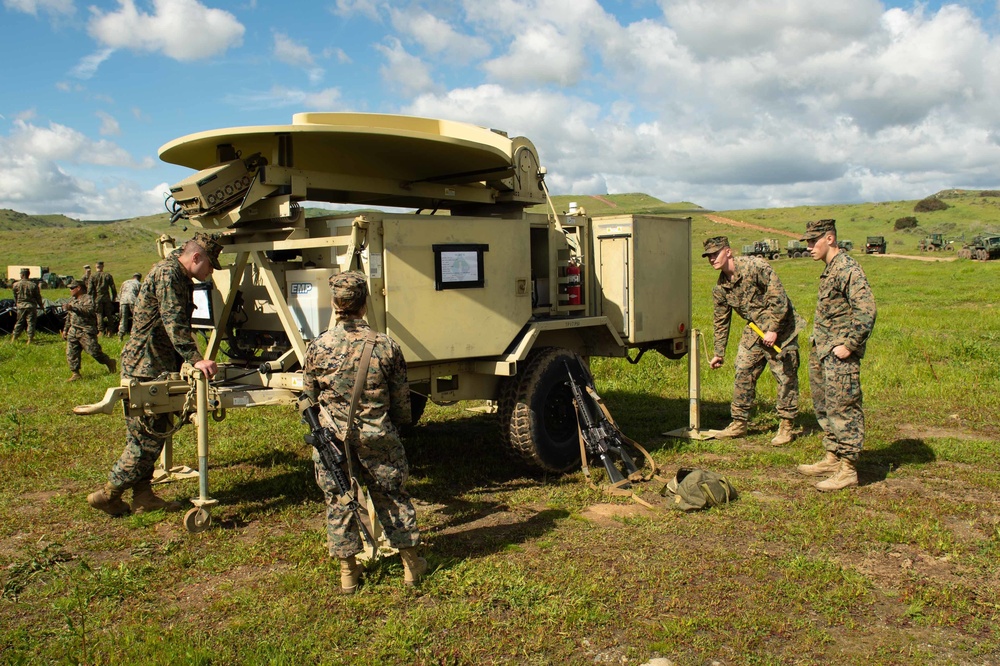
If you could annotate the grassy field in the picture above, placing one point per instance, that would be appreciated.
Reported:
(533, 568)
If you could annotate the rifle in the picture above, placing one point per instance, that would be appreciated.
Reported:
(601, 437)
(331, 457)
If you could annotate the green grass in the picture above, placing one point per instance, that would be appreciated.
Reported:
(901, 570)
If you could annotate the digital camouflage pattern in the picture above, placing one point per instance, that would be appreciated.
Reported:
(127, 298)
(845, 315)
(102, 288)
(379, 459)
(81, 333)
(714, 244)
(349, 291)
(161, 341)
(28, 300)
(755, 293)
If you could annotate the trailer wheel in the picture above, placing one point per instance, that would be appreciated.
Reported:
(537, 413)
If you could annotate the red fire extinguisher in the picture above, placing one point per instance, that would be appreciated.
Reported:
(573, 283)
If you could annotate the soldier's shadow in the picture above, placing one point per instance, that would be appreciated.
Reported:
(874, 465)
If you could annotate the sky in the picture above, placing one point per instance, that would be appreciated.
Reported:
(728, 104)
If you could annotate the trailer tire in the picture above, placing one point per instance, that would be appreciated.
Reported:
(536, 410)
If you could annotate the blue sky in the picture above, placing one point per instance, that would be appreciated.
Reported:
(726, 103)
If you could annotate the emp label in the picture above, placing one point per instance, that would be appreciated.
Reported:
(301, 288)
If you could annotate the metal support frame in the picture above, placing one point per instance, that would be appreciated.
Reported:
(693, 431)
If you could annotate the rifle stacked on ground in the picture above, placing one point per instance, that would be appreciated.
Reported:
(601, 437)
(332, 457)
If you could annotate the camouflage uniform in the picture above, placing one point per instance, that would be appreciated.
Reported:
(756, 294)
(28, 298)
(845, 315)
(127, 298)
(81, 333)
(161, 341)
(378, 457)
(102, 289)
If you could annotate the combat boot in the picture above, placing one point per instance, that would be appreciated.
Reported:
(846, 477)
(786, 434)
(413, 566)
(350, 575)
(828, 465)
(144, 499)
(74, 377)
(109, 500)
(31, 339)
(737, 428)
(112, 365)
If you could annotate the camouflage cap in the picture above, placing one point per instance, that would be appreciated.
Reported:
(349, 290)
(137, 276)
(713, 245)
(86, 267)
(73, 284)
(100, 264)
(25, 271)
(210, 244)
(818, 228)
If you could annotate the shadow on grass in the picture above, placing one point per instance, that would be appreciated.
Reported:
(875, 464)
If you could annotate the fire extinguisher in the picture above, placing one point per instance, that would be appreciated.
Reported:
(573, 283)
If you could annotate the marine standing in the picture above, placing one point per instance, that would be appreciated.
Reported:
(85, 280)
(80, 332)
(845, 318)
(751, 288)
(376, 454)
(102, 288)
(161, 340)
(27, 300)
(127, 297)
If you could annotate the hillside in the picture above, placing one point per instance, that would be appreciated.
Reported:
(126, 246)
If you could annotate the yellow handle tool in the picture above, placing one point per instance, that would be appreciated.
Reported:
(756, 329)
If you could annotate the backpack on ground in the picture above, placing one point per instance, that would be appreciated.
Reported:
(693, 489)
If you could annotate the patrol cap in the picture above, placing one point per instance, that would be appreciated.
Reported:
(73, 284)
(86, 267)
(25, 271)
(210, 244)
(349, 290)
(100, 264)
(137, 276)
(713, 245)
(818, 229)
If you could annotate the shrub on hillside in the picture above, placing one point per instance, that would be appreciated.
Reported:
(929, 204)
(906, 223)
(990, 193)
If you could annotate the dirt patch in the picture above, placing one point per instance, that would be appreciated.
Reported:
(746, 225)
(928, 432)
(916, 257)
(610, 515)
(607, 202)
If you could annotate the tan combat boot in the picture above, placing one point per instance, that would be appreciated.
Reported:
(350, 575)
(74, 377)
(144, 499)
(846, 477)
(737, 428)
(112, 365)
(413, 566)
(109, 500)
(828, 465)
(786, 434)
(31, 339)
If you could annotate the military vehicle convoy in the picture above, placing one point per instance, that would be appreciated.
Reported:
(486, 300)
(982, 248)
(768, 249)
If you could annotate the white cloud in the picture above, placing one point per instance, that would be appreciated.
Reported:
(292, 53)
(52, 7)
(278, 97)
(88, 65)
(437, 36)
(181, 29)
(404, 71)
(368, 8)
(109, 124)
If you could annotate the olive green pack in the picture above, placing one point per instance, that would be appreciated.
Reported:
(693, 489)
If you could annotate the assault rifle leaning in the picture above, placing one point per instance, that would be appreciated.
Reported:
(601, 437)
(331, 457)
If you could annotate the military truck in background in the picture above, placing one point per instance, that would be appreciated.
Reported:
(846, 245)
(488, 301)
(982, 248)
(875, 245)
(768, 249)
(934, 243)
(797, 249)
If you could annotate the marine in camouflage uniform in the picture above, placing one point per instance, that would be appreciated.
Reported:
(377, 454)
(80, 332)
(28, 300)
(751, 288)
(845, 318)
(102, 289)
(127, 298)
(162, 339)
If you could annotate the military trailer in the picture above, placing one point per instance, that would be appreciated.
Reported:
(35, 273)
(797, 249)
(875, 245)
(486, 299)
